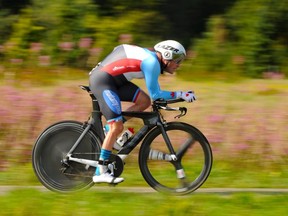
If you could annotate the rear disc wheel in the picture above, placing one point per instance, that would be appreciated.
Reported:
(50, 164)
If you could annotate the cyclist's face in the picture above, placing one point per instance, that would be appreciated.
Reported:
(171, 66)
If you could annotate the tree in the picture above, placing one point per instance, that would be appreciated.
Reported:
(253, 35)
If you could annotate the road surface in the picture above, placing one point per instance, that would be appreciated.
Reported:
(6, 189)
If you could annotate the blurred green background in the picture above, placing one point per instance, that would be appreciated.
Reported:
(237, 64)
(229, 36)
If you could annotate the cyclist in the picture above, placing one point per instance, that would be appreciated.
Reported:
(110, 83)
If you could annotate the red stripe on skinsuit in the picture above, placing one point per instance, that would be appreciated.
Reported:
(122, 66)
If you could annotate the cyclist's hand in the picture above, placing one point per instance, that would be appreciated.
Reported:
(188, 96)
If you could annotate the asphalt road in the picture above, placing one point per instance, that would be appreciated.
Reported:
(6, 189)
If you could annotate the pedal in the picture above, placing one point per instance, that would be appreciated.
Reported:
(111, 167)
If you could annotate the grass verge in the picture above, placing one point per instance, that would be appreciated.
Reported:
(27, 201)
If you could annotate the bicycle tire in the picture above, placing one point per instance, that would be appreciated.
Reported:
(51, 147)
(197, 161)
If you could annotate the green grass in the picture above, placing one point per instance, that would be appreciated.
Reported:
(30, 201)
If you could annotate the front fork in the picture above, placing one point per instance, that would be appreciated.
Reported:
(168, 142)
(176, 157)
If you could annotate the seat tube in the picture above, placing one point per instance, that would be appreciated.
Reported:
(97, 122)
(96, 116)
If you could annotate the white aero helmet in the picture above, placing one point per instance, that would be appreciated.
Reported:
(171, 50)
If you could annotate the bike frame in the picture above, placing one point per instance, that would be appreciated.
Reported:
(150, 119)
(66, 153)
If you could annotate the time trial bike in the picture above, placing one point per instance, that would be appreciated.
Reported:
(174, 157)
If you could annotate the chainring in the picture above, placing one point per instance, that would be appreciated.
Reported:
(118, 165)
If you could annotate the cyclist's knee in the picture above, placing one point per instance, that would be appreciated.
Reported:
(143, 101)
(147, 103)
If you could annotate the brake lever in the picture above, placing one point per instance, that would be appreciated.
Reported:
(183, 111)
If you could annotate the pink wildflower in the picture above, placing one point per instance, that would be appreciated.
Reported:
(66, 46)
(85, 43)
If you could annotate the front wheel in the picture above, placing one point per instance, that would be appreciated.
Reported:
(50, 149)
(184, 174)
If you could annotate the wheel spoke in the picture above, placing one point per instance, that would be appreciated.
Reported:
(183, 148)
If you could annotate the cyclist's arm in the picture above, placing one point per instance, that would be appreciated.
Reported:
(151, 70)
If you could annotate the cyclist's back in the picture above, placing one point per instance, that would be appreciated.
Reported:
(127, 62)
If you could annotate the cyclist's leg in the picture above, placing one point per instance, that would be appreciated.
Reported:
(103, 87)
(115, 128)
(132, 93)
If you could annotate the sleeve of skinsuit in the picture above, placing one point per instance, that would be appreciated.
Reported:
(151, 70)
